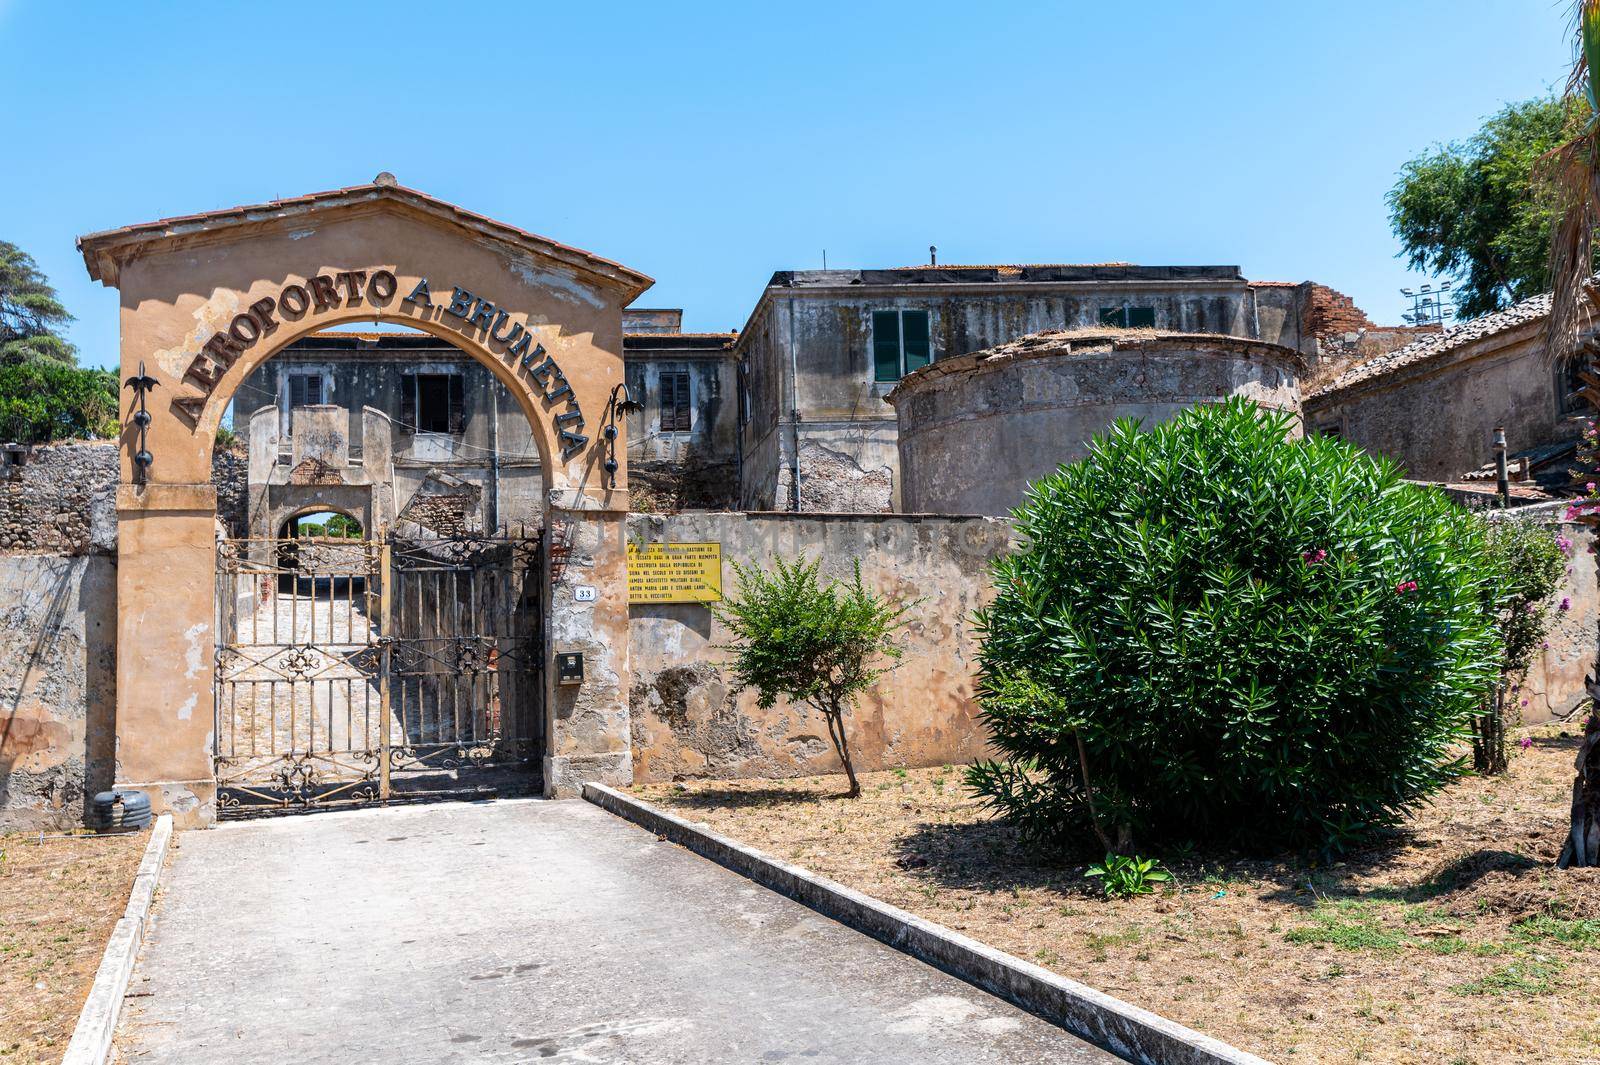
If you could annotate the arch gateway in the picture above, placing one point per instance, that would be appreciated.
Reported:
(206, 299)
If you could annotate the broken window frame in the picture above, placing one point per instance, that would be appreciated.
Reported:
(1128, 316)
(675, 401)
(411, 404)
(895, 350)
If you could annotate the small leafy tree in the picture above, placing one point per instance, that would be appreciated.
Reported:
(1211, 631)
(812, 641)
(1528, 565)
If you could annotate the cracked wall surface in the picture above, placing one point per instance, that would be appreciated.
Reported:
(57, 686)
(686, 719)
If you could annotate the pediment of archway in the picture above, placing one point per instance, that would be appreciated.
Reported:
(207, 298)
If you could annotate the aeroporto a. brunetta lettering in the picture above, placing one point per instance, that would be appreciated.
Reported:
(348, 288)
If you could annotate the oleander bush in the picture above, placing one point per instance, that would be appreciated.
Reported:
(1212, 632)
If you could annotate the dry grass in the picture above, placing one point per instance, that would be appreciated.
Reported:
(1454, 940)
(59, 900)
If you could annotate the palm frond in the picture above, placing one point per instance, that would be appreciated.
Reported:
(1573, 171)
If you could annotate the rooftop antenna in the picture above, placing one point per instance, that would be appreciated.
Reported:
(824, 258)
(1428, 305)
(933, 255)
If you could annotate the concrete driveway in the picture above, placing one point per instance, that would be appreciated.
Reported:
(524, 931)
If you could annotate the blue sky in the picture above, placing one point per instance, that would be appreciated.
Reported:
(709, 145)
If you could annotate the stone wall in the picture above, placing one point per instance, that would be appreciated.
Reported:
(58, 540)
(1554, 686)
(63, 498)
(62, 501)
(57, 686)
(1433, 405)
(976, 430)
(688, 723)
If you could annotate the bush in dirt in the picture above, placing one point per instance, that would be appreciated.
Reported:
(1212, 632)
(1528, 564)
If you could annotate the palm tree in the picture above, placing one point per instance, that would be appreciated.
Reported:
(1574, 170)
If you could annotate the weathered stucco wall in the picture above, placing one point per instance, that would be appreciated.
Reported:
(686, 722)
(975, 430)
(817, 326)
(1436, 414)
(1554, 686)
(57, 685)
(672, 467)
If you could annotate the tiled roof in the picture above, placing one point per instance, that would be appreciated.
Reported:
(99, 249)
(1434, 345)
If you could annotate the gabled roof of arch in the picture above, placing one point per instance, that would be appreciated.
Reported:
(105, 252)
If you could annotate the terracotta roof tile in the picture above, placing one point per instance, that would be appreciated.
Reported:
(1436, 345)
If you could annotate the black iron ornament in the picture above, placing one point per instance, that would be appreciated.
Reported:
(624, 406)
(142, 383)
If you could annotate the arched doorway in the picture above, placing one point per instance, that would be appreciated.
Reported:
(380, 598)
(207, 298)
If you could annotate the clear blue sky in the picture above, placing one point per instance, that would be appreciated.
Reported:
(709, 145)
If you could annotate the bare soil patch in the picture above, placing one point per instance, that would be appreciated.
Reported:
(1452, 940)
(59, 900)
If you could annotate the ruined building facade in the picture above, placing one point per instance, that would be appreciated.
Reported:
(823, 349)
(790, 413)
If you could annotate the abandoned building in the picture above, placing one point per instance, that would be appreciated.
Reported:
(822, 350)
(723, 421)
(361, 423)
(1029, 405)
(1434, 404)
(548, 486)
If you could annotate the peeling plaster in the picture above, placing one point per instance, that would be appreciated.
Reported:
(211, 317)
(561, 286)
(186, 711)
(193, 654)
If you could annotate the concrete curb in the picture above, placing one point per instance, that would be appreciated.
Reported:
(1133, 1033)
(97, 1023)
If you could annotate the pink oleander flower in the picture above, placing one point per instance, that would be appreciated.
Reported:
(1405, 586)
(1545, 645)
(1524, 743)
(1564, 544)
(1311, 558)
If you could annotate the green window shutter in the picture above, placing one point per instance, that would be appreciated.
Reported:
(1142, 317)
(914, 324)
(886, 345)
(1112, 316)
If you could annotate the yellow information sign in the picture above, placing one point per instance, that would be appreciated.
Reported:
(675, 573)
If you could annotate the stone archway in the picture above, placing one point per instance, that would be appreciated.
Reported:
(207, 298)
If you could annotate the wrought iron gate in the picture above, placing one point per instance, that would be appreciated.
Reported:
(357, 671)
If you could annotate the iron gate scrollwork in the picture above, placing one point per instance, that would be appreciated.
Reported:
(358, 671)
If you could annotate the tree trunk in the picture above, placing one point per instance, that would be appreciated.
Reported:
(1489, 736)
(1583, 840)
(841, 743)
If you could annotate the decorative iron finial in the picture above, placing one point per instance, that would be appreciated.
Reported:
(142, 383)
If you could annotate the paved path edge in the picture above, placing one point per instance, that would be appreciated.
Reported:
(1124, 1029)
(97, 1022)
